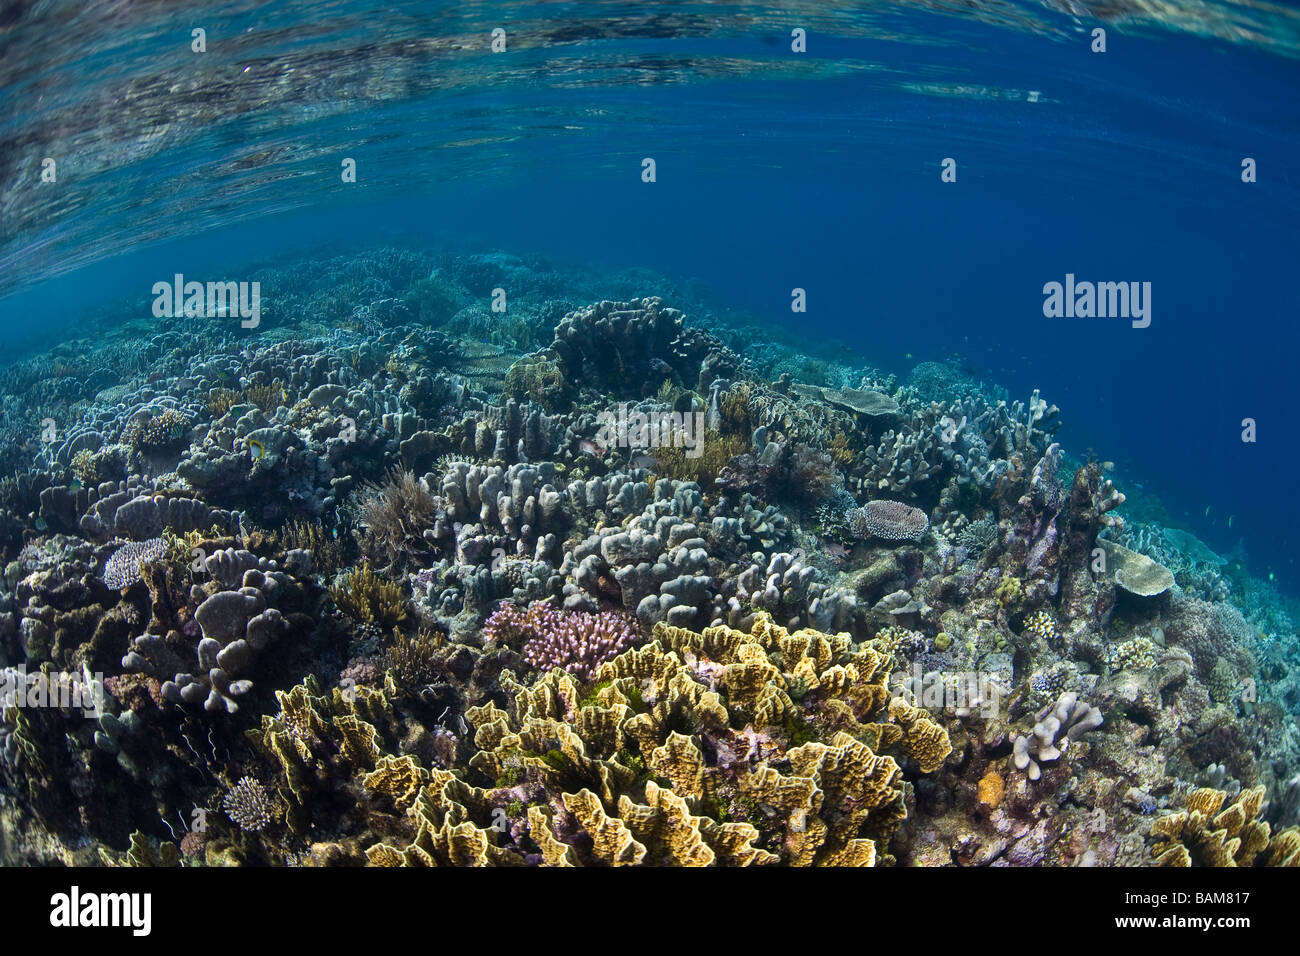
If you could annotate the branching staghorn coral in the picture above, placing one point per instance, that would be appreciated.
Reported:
(574, 641)
(411, 660)
(248, 804)
(325, 546)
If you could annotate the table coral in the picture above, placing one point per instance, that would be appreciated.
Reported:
(890, 520)
(123, 569)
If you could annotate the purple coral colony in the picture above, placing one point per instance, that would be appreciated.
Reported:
(369, 593)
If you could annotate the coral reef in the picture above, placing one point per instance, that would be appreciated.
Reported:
(401, 580)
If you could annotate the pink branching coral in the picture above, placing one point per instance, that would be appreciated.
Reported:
(892, 520)
(575, 641)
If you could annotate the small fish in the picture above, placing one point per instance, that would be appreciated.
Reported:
(74, 486)
(1207, 511)
(588, 447)
(837, 551)
(41, 524)
(1230, 517)
(644, 461)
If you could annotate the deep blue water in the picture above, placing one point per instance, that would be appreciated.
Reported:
(775, 171)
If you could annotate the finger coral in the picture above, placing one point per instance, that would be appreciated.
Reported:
(1058, 725)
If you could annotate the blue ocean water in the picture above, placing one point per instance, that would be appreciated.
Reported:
(775, 170)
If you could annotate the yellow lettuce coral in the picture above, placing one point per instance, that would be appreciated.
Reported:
(1208, 833)
(713, 748)
(792, 724)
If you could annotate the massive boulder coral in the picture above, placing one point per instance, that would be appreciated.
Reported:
(1210, 632)
(228, 630)
(634, 346)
